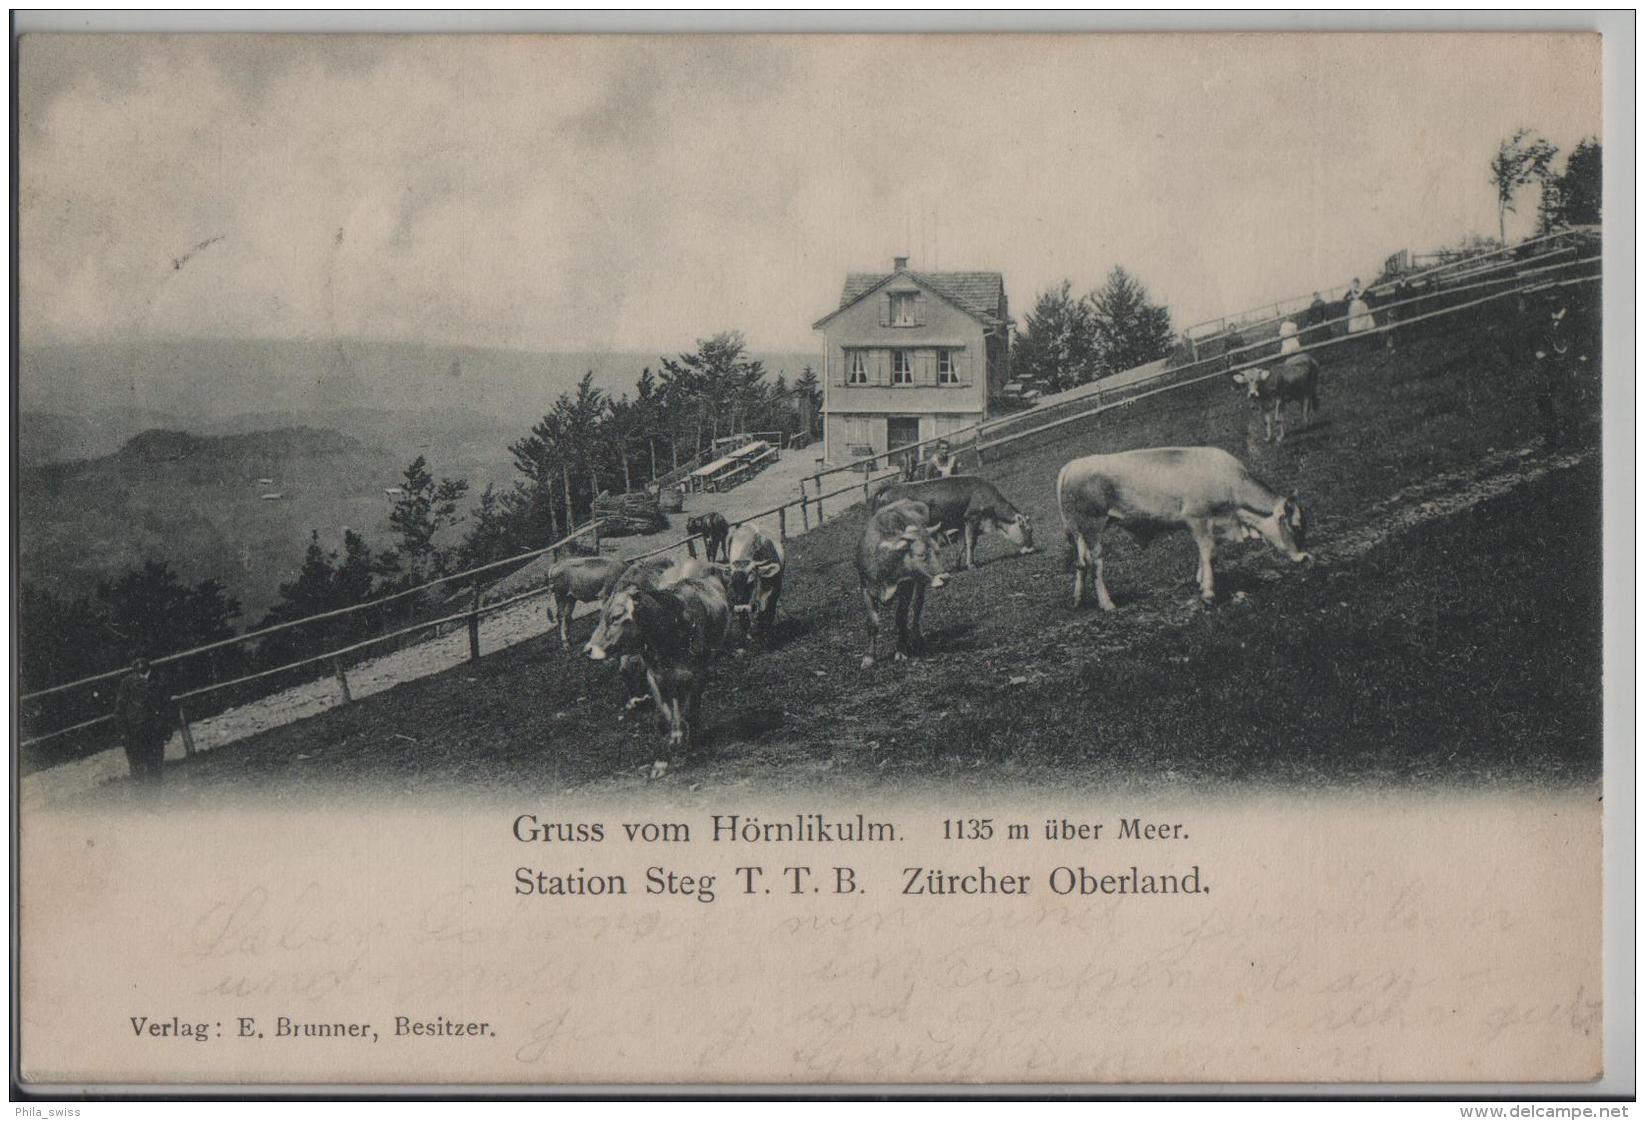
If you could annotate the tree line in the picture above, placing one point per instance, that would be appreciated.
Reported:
(1569, 196)
(1069, 340)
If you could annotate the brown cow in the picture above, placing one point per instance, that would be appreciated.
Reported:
(676, 631)
(1296, 379)
(579, 580)
(897, 559)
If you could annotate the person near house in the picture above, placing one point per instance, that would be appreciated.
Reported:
(1359, 310)
(1556, 354)
(943, 462)
(142, 713)
(1314, 320)
(1289, 343)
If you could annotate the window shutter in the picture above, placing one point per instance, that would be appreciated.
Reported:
(885, 311)
(880, 373)
(925, 367)
(919, 309)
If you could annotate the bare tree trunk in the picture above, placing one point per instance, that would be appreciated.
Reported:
(628, 480)
(565, 477)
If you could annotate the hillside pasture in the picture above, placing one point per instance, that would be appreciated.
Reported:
(1458, 647)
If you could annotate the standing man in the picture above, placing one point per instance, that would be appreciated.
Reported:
(143, 715)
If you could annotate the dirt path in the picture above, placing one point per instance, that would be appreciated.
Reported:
(505, 628)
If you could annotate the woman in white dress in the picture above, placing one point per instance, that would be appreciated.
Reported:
(1288, 341)
(1359, 312)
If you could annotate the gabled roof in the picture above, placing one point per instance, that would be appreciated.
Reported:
(978, 294)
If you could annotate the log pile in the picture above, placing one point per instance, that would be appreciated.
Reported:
(625, 515)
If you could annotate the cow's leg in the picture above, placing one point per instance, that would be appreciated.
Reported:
(1268, 425)
(904, 594)
(632, 696)
(658, 699)
(971, 528)
(1205, 539)
(871, 602)
(916, 637)
(564, 605)
(1104, 600)
(693, 705)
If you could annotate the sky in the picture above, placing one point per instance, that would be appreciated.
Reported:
(636, 193)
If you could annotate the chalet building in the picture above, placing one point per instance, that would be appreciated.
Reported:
(911, 356)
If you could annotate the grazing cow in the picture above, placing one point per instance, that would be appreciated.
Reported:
(896, 559)
(1295, 379)
(967, 504)
(753, 578)
(1155, 490)
(579, 580)
(713, 529)
(677, 630)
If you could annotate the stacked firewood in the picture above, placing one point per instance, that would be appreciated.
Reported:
(625, 515)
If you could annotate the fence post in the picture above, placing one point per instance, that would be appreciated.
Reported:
(188, 736)
(805, 509)
(342, 679)
(597, 536)
(474, 625)
(782, 523)
(978, 446)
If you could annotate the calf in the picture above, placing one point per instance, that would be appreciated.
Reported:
(579, 580)
(968, 504)
(677, 630)
(897, 559)
(753, 578)
(713, 529)
(1155, 490)
(1296, 379)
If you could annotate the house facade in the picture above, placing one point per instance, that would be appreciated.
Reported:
(911, 356)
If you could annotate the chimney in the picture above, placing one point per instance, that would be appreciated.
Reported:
(899, 263)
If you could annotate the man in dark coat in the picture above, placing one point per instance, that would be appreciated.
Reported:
(1555, 353)
(143, 715)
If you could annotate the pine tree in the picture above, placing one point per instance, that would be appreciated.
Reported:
(1129, 330)
(1057, 348)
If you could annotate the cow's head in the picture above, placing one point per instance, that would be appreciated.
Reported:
(617, 629)
(1285, 527)
(742, 579)
(1253, 380)
(920, 556)
(1020, 532)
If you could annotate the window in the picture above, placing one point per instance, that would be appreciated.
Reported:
(902, 368)
(858, 367)
(902, 309)
(945, 368)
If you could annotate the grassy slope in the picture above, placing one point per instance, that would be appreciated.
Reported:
(1466, 649)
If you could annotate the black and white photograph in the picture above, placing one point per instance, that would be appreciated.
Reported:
(1077, 558)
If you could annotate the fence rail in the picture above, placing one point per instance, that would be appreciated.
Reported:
(1220, 323)
(1171, 379)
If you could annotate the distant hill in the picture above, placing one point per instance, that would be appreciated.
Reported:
(197, 502)
(84, 400)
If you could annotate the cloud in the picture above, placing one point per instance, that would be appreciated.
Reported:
(636, 193)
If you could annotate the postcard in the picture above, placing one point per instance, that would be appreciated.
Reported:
(573, 560)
